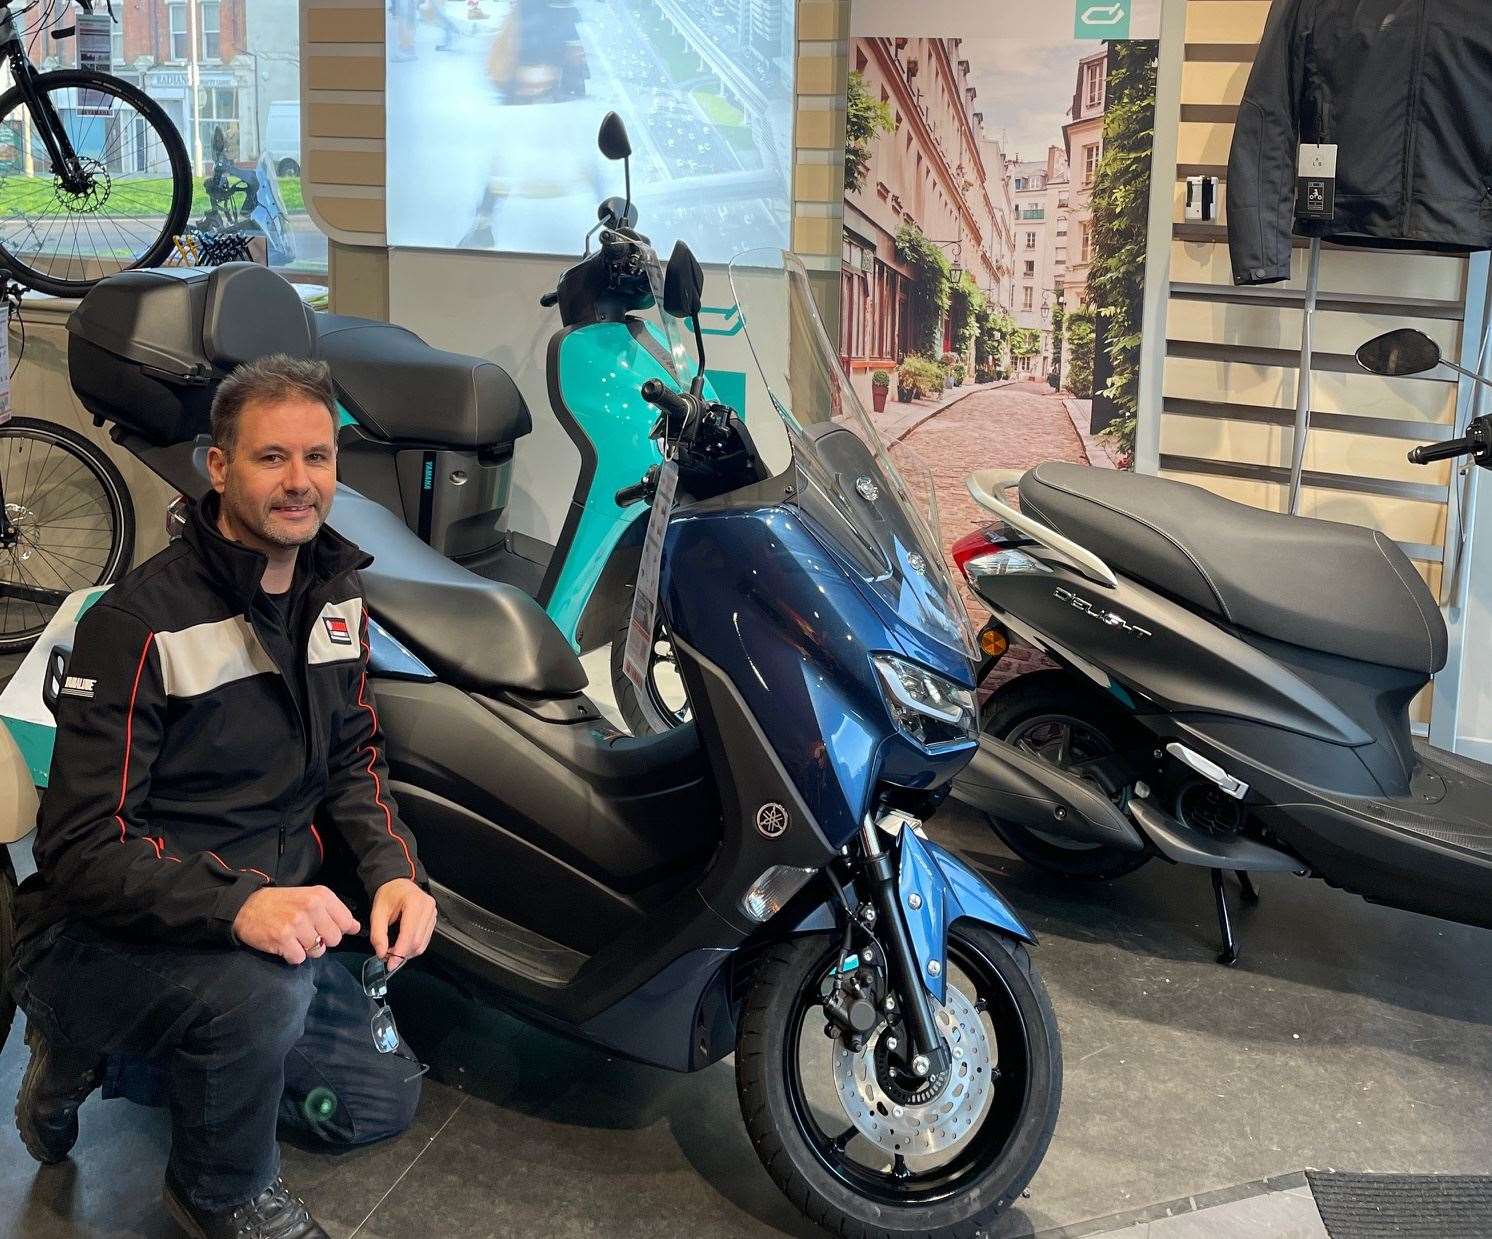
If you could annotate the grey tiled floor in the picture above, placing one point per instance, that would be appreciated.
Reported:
(1348, 1036)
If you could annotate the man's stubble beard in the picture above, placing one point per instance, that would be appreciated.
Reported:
(258, 522)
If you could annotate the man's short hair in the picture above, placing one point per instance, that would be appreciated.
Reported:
(266, 380)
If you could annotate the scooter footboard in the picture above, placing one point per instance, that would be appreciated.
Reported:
(1396, 857)
(935, 889)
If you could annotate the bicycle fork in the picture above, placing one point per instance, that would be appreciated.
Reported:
(65, 163)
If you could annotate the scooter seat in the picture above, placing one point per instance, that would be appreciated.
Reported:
(404, 391)
(478, 635)
(1339, 589)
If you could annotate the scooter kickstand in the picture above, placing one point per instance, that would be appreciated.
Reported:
(1250, 891)
(1229, 954)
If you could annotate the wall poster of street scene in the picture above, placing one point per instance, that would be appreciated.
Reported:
(493, 108)
(997, 185)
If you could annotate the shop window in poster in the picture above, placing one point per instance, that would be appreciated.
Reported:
(1012, 212)
(493, 108)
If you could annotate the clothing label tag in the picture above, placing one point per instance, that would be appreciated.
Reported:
(645, 599)
(1316, 180)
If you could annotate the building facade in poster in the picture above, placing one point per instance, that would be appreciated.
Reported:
(935, 168)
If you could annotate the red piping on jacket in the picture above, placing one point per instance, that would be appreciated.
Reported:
(388, 818)
(124, 779)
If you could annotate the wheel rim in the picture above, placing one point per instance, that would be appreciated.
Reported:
(1068, 743)
(902, 1179)
(665, 685)
(67, 535)
(75, 231)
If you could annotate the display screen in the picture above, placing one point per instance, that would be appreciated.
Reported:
(494, 105)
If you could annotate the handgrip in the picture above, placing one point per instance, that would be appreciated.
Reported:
(661, 397)
(629, 495)
(1427, 452)
(550, 299)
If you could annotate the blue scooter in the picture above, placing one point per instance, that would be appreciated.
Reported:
(757, 880)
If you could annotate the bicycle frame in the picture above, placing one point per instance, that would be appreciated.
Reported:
(65, 163)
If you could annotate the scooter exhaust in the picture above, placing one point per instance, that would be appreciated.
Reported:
(1019, 787)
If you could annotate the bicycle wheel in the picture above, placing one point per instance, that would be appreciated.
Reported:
(133, 199)
(71, 524)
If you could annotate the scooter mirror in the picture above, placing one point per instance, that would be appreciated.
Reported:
(613, 139)
(683, 283)
(1399, 352)
(617, 213)
(219, 142)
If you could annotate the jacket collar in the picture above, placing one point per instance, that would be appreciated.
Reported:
(240, 569)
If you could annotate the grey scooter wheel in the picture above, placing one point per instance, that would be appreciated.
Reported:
(831, 1158)
(1061, 722)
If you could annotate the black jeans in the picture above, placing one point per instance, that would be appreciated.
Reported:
(235, 1042)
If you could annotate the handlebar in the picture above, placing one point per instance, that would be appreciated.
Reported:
(1476, 443)
(642, 489)
(1427, 452)
(660, 397)
(550, 299)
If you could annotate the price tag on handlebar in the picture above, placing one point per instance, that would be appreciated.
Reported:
(644, 621)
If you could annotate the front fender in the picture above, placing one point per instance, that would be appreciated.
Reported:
(945, 890)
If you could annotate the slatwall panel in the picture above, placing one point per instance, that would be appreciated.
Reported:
(342, 118)
(818, 129)
(1232, 353)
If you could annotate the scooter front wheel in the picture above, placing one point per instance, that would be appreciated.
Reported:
(662, 704)
(869, 1154)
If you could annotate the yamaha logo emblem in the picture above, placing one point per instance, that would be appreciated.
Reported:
(771, 819)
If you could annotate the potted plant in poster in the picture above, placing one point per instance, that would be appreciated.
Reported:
(880, 387)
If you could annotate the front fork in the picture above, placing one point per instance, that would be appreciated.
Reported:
(927, 1053)
(53, 133)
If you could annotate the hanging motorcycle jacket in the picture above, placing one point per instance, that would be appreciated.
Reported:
(1402, 88)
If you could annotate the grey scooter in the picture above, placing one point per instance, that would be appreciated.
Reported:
(1232, 688)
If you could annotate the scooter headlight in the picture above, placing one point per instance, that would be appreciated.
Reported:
(927, 707)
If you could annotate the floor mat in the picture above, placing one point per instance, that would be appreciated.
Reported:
(1403, 1206)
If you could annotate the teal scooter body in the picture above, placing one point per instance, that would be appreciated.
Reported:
(595, 373)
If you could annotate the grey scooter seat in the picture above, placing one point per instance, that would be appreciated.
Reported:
(1340, 589)
(480, 636)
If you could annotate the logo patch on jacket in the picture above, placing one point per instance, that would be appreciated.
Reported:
(77, 686)
(336, 630)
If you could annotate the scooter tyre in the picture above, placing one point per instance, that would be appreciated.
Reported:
(7, 941)
(762, 1088)
(1052, 693)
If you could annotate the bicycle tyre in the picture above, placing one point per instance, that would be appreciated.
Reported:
(165, 133)
(120, 508)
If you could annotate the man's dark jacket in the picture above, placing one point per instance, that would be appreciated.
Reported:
(1404, 90)
(184, 776)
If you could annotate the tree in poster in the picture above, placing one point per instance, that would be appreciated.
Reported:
(1121, 193)
(931, 287)
(866, 117)
(1078, 327)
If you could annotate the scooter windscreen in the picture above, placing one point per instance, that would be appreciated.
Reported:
(672, 329)
(880, 502)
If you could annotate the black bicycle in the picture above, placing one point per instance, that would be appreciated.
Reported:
(66, 519)
(94, 177)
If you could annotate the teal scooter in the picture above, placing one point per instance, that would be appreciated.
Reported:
(427, 433)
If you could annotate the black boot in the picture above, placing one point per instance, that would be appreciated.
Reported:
(276, 1213)
(56, 1083)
